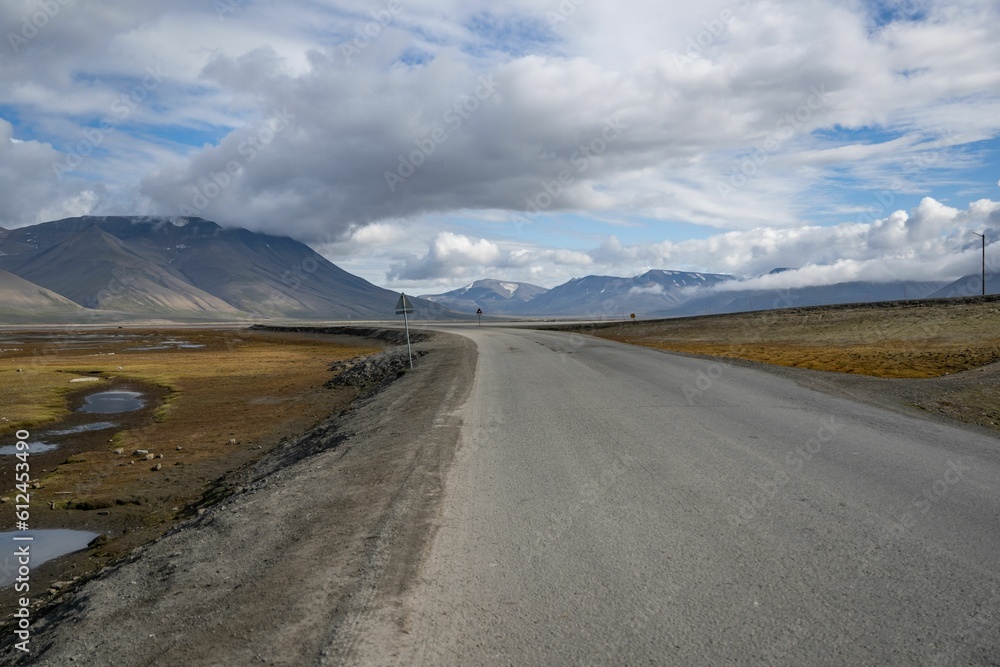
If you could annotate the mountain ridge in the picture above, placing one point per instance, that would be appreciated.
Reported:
(493, 296)
(189, 268)
(118, 267)
(662, 293)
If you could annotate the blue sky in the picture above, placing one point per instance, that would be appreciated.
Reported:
(428, 143)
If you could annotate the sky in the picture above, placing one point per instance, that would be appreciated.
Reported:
(424, 144)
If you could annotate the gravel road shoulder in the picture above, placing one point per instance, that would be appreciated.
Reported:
(328, 529)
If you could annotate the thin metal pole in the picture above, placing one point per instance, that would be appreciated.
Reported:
(407, 325)
(983, 237)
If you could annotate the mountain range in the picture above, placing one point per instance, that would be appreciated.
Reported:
(497, 297)
(105, 269)
(594, 297)
(659, 293)
(739, 300)
(108, 268)
(970, 286)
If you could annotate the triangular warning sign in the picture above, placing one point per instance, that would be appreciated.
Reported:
(403, 305)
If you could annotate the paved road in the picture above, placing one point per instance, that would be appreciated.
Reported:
(612, 505)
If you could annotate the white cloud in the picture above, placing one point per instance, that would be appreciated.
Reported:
(930, 242)
(654, 288)
(759, 119)
(31, 191)
(449, 254)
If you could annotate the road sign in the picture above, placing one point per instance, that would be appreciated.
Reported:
(403, 306)
(479, 311)
(479, 314)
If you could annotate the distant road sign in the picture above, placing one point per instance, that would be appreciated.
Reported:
(479, 311)
(403, 306)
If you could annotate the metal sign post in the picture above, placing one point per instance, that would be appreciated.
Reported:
(403, 306)
(983, 237)
(479, 314)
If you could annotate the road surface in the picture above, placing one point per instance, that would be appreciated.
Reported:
(614, 505)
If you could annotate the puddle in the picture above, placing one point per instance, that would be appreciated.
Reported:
(167, 345)
(111, 402)
(44, 546)
(34, 447)
(82, 428)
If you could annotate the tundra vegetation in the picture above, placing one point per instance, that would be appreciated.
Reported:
(222, 401)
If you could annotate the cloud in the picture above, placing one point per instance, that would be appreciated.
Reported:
(449, 254)
(354, 126)
(654, 288)
(930, 242)
(733, 76)
(31, 190)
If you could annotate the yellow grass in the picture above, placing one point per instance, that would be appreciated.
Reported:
(907, 341)
(889, 359)
(32, 396)
(251, 387)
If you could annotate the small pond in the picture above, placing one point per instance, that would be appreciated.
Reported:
(82, 428)
(34, 447)
(44, 546)
(171, 344)
(112, 402)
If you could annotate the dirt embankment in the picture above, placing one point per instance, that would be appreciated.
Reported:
(327, 527)
(390, 336)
